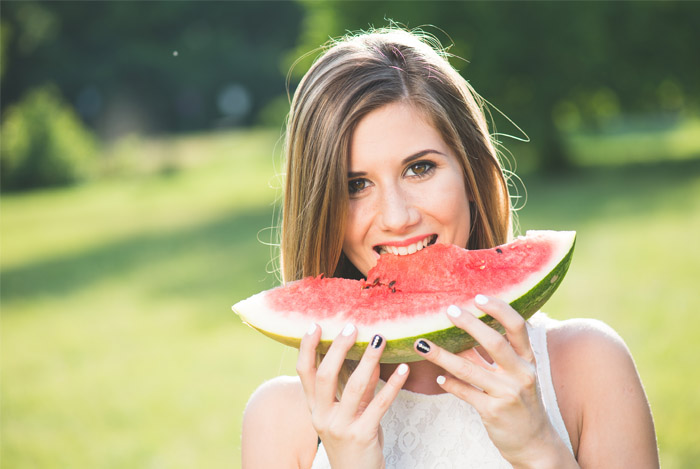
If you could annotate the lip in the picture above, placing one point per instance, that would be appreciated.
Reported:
(405, 242)
(405, 246)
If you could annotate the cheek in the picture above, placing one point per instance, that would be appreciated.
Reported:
(450, 206)
(449, 197)
(354, 226)
(451, 210)
(357, 228)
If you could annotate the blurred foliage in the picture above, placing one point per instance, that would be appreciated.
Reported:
(151, 66)
(553, 68)
(44, 143)
(549, 66)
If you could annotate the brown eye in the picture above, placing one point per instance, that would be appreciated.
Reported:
(356, 185)
(420, 169)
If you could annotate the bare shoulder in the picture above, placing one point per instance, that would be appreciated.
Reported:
(577, 339)
(591, 355)
(588, 358)
(278, 393)
(600, 395)
(277, 430)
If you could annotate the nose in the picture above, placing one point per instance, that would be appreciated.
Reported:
(397, 211)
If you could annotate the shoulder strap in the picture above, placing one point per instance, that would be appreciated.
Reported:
(538, 340)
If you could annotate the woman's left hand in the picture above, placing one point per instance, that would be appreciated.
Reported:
(505, 393)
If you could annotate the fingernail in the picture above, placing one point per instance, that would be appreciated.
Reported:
(403, 369)
(376, 341)
(481, 299)
(422, 346)
(454, 311)
(312, 328)
(348, 330)
(440, 380)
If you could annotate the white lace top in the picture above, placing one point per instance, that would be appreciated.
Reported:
(443, 432)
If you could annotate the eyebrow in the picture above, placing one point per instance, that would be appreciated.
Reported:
(405, 161)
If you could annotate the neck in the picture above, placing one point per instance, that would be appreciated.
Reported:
(421, 378)
(423, 375)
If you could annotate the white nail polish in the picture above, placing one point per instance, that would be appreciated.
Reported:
(481, 300)
(403, 369)
(312, 328)
(348, 330)
(440, 380)
(454, 311)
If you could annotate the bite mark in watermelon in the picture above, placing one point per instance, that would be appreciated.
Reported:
(405, 297)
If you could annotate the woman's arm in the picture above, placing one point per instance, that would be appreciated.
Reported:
(601, 396)
(277, 430)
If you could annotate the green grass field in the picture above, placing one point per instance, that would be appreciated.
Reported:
(119, 348)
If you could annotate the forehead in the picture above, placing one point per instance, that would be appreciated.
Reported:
(395, 130)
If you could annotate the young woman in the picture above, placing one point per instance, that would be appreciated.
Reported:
(388, 150)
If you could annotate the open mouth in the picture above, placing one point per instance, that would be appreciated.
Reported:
(408, 249)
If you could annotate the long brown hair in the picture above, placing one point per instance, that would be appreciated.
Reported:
(356, 75)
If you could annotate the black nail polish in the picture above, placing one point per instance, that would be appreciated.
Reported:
(422, 346)
(376, 341)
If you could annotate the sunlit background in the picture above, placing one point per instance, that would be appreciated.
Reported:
(141, 152)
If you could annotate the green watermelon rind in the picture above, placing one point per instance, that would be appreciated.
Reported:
(452, 338)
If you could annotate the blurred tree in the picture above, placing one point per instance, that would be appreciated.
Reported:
(44, 143)
(549, 66)
(151, 66)
(173, 66)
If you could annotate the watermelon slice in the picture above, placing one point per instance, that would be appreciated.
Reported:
(405, 297)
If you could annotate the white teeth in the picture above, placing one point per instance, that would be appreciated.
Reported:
(405, 250)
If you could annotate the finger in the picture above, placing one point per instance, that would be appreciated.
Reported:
(477, 358)
(459, 367)
(490, 339)
(306, 362)
(513, 323)
(328, 370)
(383, 399)
(359, 387)
(464, 391)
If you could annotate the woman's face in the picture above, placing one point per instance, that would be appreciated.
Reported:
(406, 188)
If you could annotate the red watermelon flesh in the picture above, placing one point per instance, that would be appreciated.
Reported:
(405, 297)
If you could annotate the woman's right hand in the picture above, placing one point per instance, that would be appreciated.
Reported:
(349, 427)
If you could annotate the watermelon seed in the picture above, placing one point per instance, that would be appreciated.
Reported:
(498, 250)
(392, 283)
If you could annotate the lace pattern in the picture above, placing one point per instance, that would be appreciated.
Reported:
(444, 432)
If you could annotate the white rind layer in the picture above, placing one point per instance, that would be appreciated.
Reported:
(295, 324)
